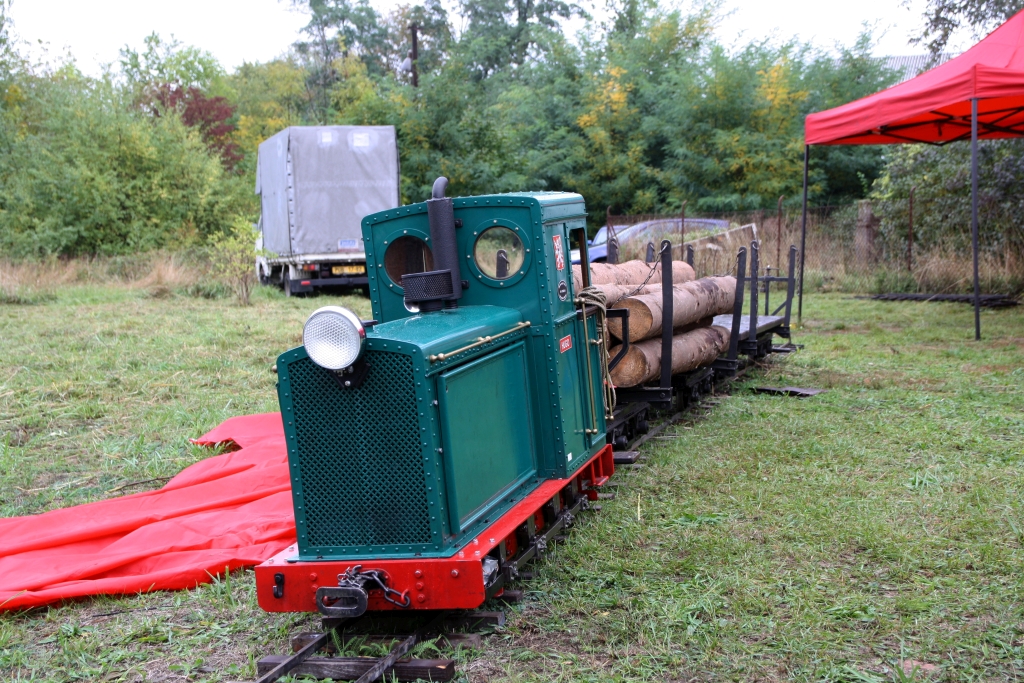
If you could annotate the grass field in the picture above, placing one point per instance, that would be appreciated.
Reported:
(872, 533)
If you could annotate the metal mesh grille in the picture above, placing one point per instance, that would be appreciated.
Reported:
(359, 456)
(426, 286)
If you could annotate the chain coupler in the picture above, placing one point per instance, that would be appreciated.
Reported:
(355, 577)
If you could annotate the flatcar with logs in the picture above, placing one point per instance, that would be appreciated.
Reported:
(438, 448)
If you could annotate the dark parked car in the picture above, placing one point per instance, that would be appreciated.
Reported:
(633, 239)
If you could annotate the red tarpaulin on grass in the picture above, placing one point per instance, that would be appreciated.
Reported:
(228, 511)
(936, 106)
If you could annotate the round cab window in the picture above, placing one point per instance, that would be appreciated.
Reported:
(499, 253)
(407, 255)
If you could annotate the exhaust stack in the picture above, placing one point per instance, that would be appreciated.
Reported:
(441, 288)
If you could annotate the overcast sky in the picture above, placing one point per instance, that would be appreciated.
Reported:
(259, 30)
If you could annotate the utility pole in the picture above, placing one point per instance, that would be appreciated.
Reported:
(415, 55)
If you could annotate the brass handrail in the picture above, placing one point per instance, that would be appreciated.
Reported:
(479, 342)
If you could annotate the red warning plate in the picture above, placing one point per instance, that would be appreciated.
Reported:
(565, 343)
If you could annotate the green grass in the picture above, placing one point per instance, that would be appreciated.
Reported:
(824, 539)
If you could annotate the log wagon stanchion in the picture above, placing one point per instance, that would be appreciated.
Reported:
(438, 449)
(635, 406)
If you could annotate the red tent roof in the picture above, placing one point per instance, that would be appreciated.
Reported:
(936, 106)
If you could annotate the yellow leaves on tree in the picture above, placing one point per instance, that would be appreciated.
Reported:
(355, 92)
(609, 127)
(269, 97)
(609, 104)
(779, 101)
(763, 158)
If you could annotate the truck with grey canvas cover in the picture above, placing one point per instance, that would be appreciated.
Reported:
(315, 185)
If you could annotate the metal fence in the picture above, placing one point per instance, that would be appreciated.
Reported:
(878, 246)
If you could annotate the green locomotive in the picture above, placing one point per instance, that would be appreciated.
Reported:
(433, 449)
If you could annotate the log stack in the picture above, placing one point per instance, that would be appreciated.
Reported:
(630, 273)
(690, 350)
(691, 301)
(695, 341)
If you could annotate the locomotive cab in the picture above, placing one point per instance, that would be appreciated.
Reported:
(425, 434)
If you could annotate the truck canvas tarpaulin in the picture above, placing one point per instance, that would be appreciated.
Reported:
(317, 182)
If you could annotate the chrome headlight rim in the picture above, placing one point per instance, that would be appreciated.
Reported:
(349, 317)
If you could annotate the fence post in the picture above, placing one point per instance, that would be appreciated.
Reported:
(682, 228)
(778, 235)
(612, 248)
(864, 236)
(910, 233)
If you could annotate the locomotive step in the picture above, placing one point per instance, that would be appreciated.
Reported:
(626, 457)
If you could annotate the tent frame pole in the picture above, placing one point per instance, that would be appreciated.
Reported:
(974, 216)
(803, 241)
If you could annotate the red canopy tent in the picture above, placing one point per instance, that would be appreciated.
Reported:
(978, 95)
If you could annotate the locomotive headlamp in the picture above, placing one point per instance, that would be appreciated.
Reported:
(333, 337)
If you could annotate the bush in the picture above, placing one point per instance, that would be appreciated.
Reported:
(941, 178)
(83, 172)
(234, 258)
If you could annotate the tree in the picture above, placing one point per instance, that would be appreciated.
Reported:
(943, 17)
(169, 62)
(7, 56)
(505, 33)
(211, 116)
(268, 98)
(335, 29)
(941, 178)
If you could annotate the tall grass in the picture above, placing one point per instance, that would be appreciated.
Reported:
(160, 273)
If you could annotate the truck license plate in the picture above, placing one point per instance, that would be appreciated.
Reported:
(347, 270)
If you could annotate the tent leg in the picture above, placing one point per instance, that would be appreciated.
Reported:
(974, 216)
(803, 242)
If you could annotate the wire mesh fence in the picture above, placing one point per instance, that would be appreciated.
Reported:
(869, 246)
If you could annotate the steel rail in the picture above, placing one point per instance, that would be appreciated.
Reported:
(299, 657)
(388, 661)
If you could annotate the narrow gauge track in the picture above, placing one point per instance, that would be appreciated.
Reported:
(443, 623)
(342, 667)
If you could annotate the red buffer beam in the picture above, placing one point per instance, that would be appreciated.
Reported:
(454, 582)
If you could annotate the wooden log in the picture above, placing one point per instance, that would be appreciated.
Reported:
(691, 301)
(351, 668)
(630, 273)
(690, 351)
